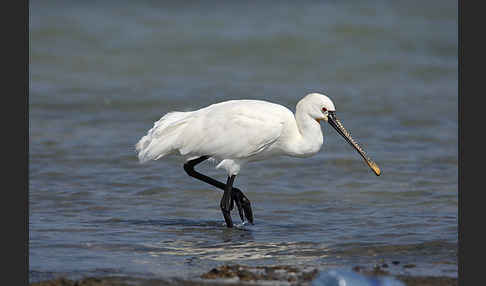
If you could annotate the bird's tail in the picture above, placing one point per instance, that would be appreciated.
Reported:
(160, 140)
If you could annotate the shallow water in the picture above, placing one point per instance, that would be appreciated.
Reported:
(102, 73)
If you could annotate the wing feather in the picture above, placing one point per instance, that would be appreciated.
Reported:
(234, 129)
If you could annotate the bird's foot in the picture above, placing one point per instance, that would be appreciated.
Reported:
(242, 203)
(226, 206)
(227, 218)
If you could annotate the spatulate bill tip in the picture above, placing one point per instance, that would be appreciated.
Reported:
(375, 168)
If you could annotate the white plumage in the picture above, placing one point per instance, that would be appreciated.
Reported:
(239, 131)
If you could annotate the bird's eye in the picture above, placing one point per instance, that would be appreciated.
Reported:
(324, 109)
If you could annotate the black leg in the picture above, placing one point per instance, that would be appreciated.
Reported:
(242, 202)
(189, 168)
(226, 201)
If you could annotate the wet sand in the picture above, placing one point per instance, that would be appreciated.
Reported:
(248, 275)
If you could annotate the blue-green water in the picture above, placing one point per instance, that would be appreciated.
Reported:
(102, 73)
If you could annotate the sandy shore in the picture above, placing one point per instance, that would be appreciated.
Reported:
(246, 275)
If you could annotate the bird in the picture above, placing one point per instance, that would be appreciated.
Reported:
(237, 132)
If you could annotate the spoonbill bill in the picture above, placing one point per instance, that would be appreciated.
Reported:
(236, 132)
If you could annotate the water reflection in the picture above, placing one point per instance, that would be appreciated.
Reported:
(239, 251)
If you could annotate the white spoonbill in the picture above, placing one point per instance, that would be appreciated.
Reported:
(235, 132)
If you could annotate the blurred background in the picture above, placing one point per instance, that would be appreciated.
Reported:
(101, 72)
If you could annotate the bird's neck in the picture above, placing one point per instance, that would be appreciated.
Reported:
(310, 140)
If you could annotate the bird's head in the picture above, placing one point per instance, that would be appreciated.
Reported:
(320, 107)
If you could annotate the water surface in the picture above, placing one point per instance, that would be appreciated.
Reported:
(102, 73)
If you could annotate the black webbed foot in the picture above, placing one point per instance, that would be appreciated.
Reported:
(243, 204)
(231, 195)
